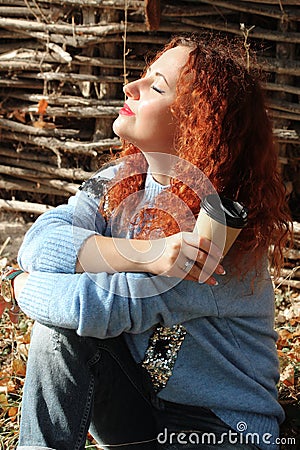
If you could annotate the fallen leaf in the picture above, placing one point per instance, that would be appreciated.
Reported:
(3, 401)
(43, 124)
(19, 367)
(42, 106)
(19, 115)
(13, 411)
(287, 376)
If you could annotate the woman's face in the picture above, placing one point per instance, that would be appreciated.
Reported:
(146, 120)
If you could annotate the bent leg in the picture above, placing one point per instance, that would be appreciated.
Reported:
(122, 411)
(71, 379)
(58, 391)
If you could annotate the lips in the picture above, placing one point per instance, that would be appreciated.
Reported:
(126, 111)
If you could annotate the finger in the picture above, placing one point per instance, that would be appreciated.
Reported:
(211, 281)
(203, 260)
(199, 274)
(209, 264)
(183, 266)
(203, 243)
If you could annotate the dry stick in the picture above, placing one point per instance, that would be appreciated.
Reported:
(283, 135)
(124, 37)
(39, 10)
(72, 174)
(27, 207)
(15, 46)
(43, 185)
(17, 11)
(79, 148)
(78, 112)
(107, 62)
(30, 55)
(73, 77)
(4, 245)
(246, 32)
(248, 8)
(279, 66)
(284, 115)
(113, 4)
(281, 7)
(14, 2)
(35, 186)
(28, 129)
(70, 100)
(284, 105)
(63, 56)
(282, 88)
(33, 156)
(88, 17)
(22, 83)
(292, 273)
(82, 41)
(258, 33)
(70, 188)
(53, 144)
(24, 65)
(286, 281)
(192, 11)
(72, 30)
(273, 2)
(22, 173)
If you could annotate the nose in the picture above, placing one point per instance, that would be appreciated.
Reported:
(131, 90)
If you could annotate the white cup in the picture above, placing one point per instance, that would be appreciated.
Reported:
(221, 220)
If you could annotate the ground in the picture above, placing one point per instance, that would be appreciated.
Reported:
(15, 339)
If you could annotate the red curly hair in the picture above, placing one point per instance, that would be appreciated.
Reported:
(223, 129)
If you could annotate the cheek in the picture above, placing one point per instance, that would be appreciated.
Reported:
(154, 114)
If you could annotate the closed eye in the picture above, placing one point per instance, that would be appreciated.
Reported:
(160, 91)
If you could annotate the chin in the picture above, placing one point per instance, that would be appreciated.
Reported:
(115, 128)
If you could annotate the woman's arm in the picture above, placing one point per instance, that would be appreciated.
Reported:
(103, 305)
(54, 240)
(165, 256)
(70, 239)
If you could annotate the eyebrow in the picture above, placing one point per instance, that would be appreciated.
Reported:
(158, 74)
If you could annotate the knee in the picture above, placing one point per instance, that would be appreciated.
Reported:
(53, 342)
(46, 339)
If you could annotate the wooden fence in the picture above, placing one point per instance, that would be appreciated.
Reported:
(63, 64)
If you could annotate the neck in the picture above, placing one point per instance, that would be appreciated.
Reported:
(160, 166)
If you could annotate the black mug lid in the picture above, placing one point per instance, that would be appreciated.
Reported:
(226, 211)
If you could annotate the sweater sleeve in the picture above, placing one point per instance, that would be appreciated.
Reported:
(103, 305)
(54, 240)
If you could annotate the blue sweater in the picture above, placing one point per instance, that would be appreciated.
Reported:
(228, 359)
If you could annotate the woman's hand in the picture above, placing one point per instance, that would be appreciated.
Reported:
(187, 255)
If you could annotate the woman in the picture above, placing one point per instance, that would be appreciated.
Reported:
(202, 356)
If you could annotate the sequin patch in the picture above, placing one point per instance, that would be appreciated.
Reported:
(162, 352)
(95, 187)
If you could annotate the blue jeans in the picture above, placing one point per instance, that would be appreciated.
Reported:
(78, 383)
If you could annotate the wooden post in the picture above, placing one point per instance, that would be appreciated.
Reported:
(106, 91)
(88, 17)
(284, 52)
